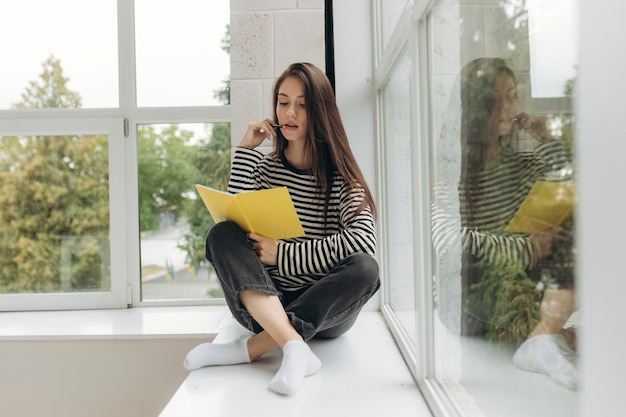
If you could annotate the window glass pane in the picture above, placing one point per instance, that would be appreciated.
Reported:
(179, 51)
(390, 14)
(81, 36)
(503, 123)
(398, 197)
(173, 220)
(54, 210)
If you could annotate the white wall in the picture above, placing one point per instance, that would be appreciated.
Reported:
(353, 80)
(90, 378)
(354, 87)
(602, 214)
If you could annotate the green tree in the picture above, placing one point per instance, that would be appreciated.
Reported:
(213, 169)
(166, 175)
(54, 192)
(50, 91)
(212, 163)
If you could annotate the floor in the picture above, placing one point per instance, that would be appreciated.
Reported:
(363, 374)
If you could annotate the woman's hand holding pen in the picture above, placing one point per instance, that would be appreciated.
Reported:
(535, 125)
(256, 133)
(266, 249)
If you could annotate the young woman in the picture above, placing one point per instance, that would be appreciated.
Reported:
(292, 290)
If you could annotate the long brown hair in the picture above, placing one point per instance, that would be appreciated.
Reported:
(326, 148)
(478, 97)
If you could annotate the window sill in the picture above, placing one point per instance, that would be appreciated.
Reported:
(363, 374)
(132, 323)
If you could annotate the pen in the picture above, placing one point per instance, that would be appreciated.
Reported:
(274, 126)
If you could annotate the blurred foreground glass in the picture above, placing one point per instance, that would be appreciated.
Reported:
(173, 220)
(490, 282)
(54, 214)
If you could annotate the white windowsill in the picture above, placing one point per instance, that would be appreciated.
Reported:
(131, 323)
(363, 374)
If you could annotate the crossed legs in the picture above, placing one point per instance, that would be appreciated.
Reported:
(327, 308)
(298, 360)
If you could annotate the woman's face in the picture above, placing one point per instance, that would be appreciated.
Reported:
(505, 107)
(291, 109)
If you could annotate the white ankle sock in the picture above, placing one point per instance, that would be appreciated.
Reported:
(298, 362)
(210, 354)
(542, 354)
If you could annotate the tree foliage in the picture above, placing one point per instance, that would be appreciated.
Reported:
(53, 190)
(50, 91)
(509, 301)
(212, 163)
(165, 174)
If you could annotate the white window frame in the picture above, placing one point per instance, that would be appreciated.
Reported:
(410, 34)
(399, 43)
(49, 123)
(120, 124)
(386, 58)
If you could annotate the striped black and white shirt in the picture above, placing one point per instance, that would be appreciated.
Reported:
(304, 260)
(487, 202)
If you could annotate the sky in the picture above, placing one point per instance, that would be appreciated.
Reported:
(172, 70)
(553, 45)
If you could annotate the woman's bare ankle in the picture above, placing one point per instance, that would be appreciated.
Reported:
(259, 345)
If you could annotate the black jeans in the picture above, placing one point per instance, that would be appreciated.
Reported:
(325, 309)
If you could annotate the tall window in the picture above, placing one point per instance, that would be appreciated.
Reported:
(483, 172)
(110, 112)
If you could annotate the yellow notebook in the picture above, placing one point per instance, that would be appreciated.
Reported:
(547, 204)
(266, 212)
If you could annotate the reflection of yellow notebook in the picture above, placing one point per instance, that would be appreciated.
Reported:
(547, 204)
(266, 212)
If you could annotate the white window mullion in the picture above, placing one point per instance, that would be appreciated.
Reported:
(128, 185)
(126, 55)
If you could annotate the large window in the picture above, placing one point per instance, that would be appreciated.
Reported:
(110, 112)
(485, 133)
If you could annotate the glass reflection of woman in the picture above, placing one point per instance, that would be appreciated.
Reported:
(495, 179)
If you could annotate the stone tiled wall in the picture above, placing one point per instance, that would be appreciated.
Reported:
(266, 36)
